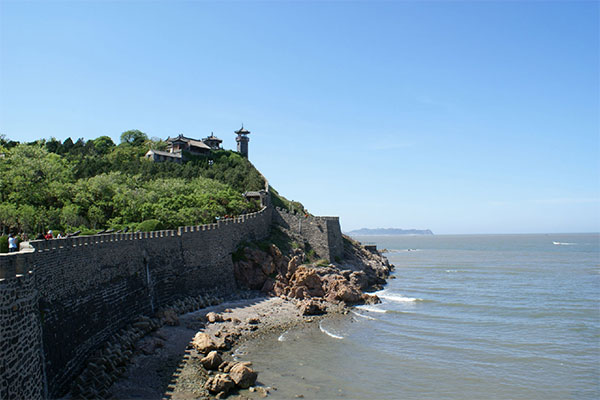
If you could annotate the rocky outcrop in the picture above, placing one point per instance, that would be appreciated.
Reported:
(204, 343)
(274, 273)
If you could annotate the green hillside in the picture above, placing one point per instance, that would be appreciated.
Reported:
(96, 184)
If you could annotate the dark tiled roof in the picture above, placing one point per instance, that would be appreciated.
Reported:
(213, 137)
(242, 131)
(165, 153)
(179, 138)
(198, 143)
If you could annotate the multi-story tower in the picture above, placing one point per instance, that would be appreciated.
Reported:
(242, 141)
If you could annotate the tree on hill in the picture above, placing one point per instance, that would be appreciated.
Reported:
(133, 137)
(103, 144)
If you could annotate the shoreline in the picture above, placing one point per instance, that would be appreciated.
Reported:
(192, 355)
(167, 365)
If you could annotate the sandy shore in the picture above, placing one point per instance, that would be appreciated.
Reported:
(167, 366)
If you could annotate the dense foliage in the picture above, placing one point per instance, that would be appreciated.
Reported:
(95, 184)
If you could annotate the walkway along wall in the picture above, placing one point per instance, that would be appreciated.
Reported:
(62, 301)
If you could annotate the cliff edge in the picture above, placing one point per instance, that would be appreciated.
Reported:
(288, 270)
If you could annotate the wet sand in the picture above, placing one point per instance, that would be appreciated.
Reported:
(167, 366)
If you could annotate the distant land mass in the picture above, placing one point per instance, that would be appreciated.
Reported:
(389, 231)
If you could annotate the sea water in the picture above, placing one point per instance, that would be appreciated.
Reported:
(467, 317)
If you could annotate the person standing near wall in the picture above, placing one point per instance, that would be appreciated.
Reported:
(12, 244)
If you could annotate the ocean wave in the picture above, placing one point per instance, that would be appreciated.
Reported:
(364, 316)
(563, 244)
(325, 331)
(281, 337)
(404, 250)
(371, 308)
(396, 298)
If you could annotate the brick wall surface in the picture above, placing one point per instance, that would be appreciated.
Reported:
(21, 371)
(82, 290)
(61, 302)
(323, 234)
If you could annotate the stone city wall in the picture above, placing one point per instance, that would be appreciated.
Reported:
(323, 234)
(62, 301)
(21, 365)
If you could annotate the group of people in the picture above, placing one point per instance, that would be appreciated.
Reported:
(13, 241)
(49, 236)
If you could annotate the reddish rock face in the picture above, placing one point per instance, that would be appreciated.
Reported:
(280, 288)
(340, 289)
(268, 286)
(291, 267)
(247, 273)
(275, 274)
(312, 307)
(359, 279)
(309, 279)
(370, 298)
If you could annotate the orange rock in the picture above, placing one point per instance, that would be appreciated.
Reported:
(242, 375)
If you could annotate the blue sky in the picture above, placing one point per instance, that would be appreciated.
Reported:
(460, 117)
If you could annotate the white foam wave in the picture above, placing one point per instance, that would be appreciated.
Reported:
(281, 337)
(401, 250)
(397, 298)
(563, 244)
(451, 270)
(371, 308)
(363, 316)
(325, 331)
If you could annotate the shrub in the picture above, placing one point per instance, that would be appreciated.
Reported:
(322, 263)
(85, 231)
(3, 244)
(239, 254)
(149, 225)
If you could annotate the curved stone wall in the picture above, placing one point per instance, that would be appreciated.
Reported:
(59, 303)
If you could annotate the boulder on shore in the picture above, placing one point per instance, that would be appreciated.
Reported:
(203, 343)
(242, 375)
(212, 361)
(339, 289)
(213, 317)
(312, 307)
(219, 383)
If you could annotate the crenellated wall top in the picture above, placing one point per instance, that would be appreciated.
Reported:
(56, 244)
(306, 217)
